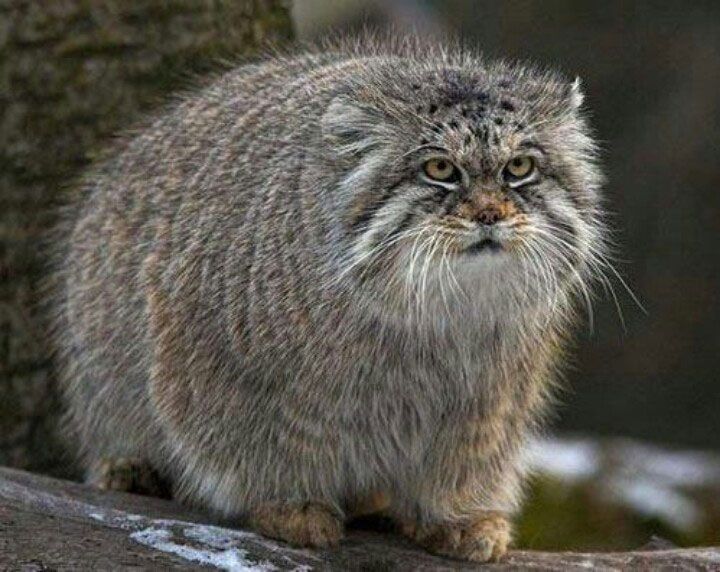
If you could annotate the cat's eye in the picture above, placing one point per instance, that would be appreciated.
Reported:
(518, 168)
(442, 170)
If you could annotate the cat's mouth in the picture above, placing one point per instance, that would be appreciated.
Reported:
(486, 245)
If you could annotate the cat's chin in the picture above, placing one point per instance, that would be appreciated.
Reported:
(484, 246)
(487, 268)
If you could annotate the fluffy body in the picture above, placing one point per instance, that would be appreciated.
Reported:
(263, 300)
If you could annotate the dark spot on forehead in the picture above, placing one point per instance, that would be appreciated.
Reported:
(452, 77)
(478, 114)
(432, 109)
(481, 133)
(458, 88)
(498, 121)
(507, 105)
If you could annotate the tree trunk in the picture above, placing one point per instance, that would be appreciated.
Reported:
(73, 72)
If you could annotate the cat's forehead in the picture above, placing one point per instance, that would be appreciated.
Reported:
(478, 121)
(478, 113)
(474, 92)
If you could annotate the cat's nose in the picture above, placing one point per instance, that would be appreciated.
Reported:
(489, 214)
(487, 208)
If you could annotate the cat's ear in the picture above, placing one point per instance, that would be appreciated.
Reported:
(349, 127)
(575, 94)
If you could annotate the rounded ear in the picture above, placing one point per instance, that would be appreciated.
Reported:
(575, 94)
(349, 127)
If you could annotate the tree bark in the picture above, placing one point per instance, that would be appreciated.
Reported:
(72, 73)
(47, 524)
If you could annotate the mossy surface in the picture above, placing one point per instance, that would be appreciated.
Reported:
(562, 515)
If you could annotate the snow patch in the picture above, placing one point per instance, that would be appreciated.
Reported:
(228, 558)
(570, 459)
(202, 543)
(674, 468)
(655, 500)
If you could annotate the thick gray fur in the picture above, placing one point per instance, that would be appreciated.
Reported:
(261, 297)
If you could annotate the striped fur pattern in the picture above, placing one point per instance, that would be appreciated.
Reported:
(263, 298)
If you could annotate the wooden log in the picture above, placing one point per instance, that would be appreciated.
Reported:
(48, 524)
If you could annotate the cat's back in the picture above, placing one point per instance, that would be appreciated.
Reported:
(203, 162)
(212, 130)
(190, 178)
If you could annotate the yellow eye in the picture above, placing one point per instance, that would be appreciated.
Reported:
(519, 167)
(441, 169)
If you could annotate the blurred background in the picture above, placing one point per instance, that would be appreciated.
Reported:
(643, 396)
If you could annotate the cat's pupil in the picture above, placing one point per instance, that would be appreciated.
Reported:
(442, 165)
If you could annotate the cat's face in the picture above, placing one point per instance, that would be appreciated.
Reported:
(468, 183)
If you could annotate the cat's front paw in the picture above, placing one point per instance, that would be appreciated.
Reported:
(310, 525)
(481, 538)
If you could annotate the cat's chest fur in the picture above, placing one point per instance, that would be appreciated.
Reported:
(398, 391)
